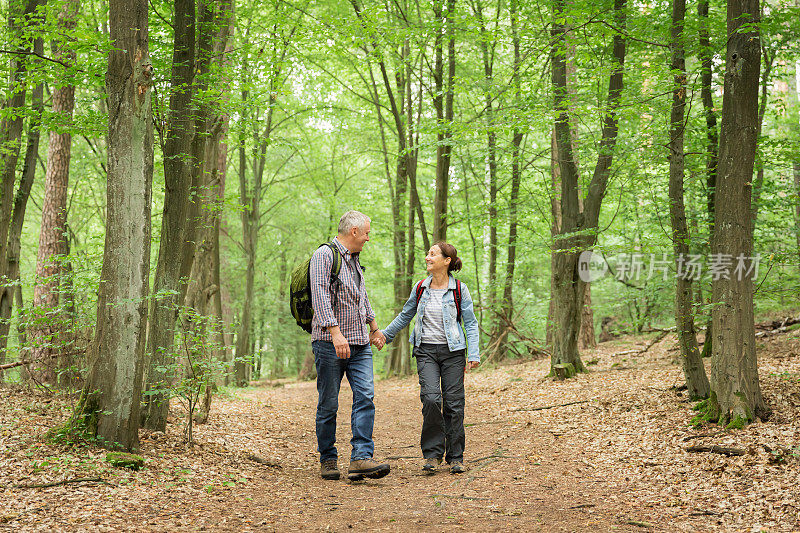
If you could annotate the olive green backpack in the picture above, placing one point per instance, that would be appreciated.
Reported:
(300, 289)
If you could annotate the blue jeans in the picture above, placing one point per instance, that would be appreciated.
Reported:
(330, 370)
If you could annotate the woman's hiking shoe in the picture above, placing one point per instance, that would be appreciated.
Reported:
(457, 467)
(361, 468)
(329, 469)
(431, 463)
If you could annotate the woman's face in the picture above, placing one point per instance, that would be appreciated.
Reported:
(436, 262)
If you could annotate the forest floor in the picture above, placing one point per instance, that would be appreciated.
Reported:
(618, 461)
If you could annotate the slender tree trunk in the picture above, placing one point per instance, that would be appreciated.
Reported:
(19, 12)
(444, 11)
(705, 55)
(693, 370)
(587, 337)
(758, 181)
(251, 216)
(794, 115)
(487, 55)
(736, 393)
(8, 293)
(177, 177)
(109, 404)
(578, 226)
(49, 337)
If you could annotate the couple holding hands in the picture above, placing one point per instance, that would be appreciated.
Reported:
(444, 340)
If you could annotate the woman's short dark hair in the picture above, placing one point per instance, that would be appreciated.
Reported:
(448, 250)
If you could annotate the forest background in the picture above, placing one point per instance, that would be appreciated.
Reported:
(195, 161)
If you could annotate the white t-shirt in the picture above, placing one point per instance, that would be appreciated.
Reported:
(433, 320)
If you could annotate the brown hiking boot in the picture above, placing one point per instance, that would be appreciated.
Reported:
(431, 463)
(329, 469)
(457, 467)
(361, 468)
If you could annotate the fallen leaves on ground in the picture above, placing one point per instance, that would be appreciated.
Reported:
(611, 455)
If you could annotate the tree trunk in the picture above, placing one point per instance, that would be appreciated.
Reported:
(109, 404)
(506, 315)
(177, 177)
(578, 226)
(203, 293)
(48, 334)
(24, 13)
(758, 182)
(587, 337)
(444, 11)
(705, 55)
(693, 370)
(794, 114)
(9, 292)
(736, 393)
(487, 55)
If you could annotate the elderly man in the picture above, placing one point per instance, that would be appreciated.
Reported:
(341, 347)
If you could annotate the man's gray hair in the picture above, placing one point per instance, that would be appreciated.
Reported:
(352, 219)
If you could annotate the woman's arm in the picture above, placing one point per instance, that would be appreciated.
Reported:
(470, 325)
(404, 318)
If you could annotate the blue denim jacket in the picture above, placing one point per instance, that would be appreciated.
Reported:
(456, 337)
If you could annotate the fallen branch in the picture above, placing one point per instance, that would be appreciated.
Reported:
(652, 342)
(494, 455)
(723, 450)
(547, 406)
(51, 356)
(487, 422)
(639, 524)
(583, 506)
(691, 437)
(64, 482)
(462, 497)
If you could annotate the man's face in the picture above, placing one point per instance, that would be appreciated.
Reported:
(360, 237)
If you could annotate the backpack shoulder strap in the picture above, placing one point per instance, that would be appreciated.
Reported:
(337, 259)
(419, 290)
(458, 300)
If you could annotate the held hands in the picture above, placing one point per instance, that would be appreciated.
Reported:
(471, 365)
(377, 338)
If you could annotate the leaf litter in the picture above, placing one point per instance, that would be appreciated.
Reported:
(605, 451)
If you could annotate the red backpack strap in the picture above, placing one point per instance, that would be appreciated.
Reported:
(458, 300)
(419, 290)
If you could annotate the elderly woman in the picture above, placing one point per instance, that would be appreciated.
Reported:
(446, 330)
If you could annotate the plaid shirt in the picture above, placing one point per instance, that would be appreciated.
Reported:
(353, 310)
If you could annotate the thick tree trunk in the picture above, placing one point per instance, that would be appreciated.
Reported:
(109, 404)
(693, 370)
(51, 327)
(736, 393)
(177, 177)
(578, 226)
(444, 11)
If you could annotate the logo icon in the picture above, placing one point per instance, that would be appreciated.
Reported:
(591, 266)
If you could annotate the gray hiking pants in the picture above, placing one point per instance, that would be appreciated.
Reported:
(441, 382)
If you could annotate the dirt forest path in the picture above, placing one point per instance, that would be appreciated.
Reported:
(609, 450)
(520, 477)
